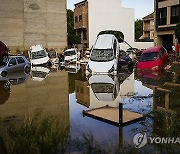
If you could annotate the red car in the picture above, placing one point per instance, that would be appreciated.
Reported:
(153, 59)
(3, 53)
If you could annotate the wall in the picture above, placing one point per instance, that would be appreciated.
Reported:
(106, 14)
(24, 23)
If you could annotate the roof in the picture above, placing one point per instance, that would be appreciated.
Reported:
(104, 41)
(149, 16)
(79, 3)
(152, 49)
(36, 48)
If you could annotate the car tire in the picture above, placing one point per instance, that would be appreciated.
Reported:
(5, 59)
(4, 73)
(27, 69)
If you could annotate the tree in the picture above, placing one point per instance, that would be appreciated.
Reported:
(177, 31)
(138, 28)
(72, 38)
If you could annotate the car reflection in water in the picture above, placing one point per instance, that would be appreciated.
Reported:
(72, 68)
(39, 73)
(109, 89)
(11, 80)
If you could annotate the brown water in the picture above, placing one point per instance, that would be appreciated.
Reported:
(66, 94)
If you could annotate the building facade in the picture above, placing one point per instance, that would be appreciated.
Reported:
(24, 23)
(81, 21)
(167, 15)
(148, 28)
(93, 16)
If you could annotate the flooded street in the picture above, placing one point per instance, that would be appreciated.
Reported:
(65, 95)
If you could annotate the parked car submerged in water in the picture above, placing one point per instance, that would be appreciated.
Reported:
(71, 55)
(104, 55)
(53, 55)
(153, 59)
(15, 64)
(38, 55)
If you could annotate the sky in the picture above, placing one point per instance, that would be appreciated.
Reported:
(142, 7)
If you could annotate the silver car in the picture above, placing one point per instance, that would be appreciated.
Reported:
(15, 64)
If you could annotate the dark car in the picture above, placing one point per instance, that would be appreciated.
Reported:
(124, 60)
(3, 53)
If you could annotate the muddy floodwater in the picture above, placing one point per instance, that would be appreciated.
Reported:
(43, 112)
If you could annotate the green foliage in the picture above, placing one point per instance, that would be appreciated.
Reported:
(138, 28)
(177, 31)
(119, 35)
(72, 38)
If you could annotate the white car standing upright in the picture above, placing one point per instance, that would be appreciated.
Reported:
(104, 55)
(71, 55)
(38, 55)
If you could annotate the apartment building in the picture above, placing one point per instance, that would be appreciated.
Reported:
(81, 21)
(167, 15)
(148, 28)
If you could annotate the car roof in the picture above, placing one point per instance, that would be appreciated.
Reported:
(35, 48)
(104, 41)
(16, 56)
(70, 49)
(153, 49)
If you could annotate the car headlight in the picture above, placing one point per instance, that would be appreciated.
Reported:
(88, 69)
(155, 68)
(111, 70)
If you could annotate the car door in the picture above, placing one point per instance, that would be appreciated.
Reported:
(12, 65)
(20, 63)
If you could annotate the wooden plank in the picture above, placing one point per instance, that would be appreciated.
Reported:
(111, 115)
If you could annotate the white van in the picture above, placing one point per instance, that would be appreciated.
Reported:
(104, 55)
(71, 55)
(38, 55)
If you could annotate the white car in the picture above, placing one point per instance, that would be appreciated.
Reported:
(72, 68)
(38, 55)
(104, 55)
(71, 55)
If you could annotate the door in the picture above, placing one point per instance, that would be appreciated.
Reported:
(20, 63)
(12, 65)
(167, 42)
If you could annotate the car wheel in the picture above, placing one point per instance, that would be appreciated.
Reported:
(27, 70)
(7, 86)
(4, 74)
(5, 59)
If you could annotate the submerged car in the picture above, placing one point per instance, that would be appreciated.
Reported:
(153, 59)
(15, 64)
(124, 60)
(38, 55)
(71, 55)
(104, 55)
(72, 68)
(53, 55)
(3, 53)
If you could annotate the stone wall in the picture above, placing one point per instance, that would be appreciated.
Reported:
(24, 23)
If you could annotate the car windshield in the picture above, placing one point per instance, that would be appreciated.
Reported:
(39, 54)
(149, 56)
(102, 55)
(69, 53)
(102, 87)
(52, 55)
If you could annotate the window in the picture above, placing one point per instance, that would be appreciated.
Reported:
(12, 62)
(20, 60)
(76, 19)
(175, 13)
(80, 18)
(163, 16)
